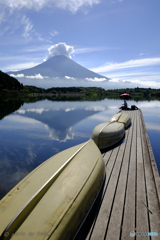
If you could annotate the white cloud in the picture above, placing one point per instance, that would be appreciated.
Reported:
(19, 4)
(36, 76)
(129, 64)
(18, 75)
(70, 5)
(152, 104)
(137, 81)
(100, 118)
(143, 78)
(21, 111)
(16, 21)
(96, 79)
(54, 33)
(115, 80)
(36, 48)
(60, 49)
(61, 82)
(28, 28)
(69, 109)
(152, 84)
(36, 110)
(18, 66)
(21, 119)
(153, 126)
(61, 136)
(130, 73)
(92, 49)
(2, 17)
(96, 108)
(73, 5)
(70, 77)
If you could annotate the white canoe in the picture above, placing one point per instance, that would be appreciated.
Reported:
(107, 134)
(121, 117)
(53, 200)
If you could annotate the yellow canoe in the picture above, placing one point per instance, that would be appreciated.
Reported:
(121, 117)
(107, 134)
(53, 200)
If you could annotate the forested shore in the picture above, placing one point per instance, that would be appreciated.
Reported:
(11, 86)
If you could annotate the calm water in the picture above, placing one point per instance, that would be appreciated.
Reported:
(33, 132)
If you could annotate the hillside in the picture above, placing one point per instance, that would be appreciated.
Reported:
(9, 83)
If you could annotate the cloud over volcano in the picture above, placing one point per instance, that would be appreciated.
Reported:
(60, 49)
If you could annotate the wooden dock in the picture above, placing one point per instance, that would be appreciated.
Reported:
(130, 200)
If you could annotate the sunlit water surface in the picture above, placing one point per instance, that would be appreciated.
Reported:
(37, 131)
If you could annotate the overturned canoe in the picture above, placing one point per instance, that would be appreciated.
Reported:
(53, 200)
(107, 134)
(121, 117)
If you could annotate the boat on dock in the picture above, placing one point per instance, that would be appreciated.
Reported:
(121, 117)
(54, 199)
(131, 196)
(107, 134)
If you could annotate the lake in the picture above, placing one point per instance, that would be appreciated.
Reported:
(34, 131)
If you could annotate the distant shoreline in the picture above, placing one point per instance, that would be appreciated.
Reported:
(9, 86)
(82, 93)
(42, 94)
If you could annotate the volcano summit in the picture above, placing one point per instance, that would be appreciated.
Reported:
(58, 70)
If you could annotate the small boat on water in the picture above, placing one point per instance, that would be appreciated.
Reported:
(107, 134)
(54, 199)
(121, 117)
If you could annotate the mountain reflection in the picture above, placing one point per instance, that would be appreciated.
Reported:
(59, 121)
(32, 130)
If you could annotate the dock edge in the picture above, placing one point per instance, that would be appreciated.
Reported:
(152, 159)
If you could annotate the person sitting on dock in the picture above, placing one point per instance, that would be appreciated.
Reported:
(125, 104)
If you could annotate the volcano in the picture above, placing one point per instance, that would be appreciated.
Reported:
(59, 66)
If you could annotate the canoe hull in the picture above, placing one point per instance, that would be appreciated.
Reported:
(60, 211)
(121, 117)
(107, 134)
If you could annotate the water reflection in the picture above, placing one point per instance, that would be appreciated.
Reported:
(58, 118)
(35, 131)
(8, 106)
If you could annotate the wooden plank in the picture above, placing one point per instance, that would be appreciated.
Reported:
(141, 210)
(129, 211)
(129, 188)
(109, 169)
(153, 206)
(152, 200)
(107, 156)
(103, 218)
(152, 161)
(109, 159)
(115, 223)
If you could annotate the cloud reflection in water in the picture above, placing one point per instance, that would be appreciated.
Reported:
(38, 130)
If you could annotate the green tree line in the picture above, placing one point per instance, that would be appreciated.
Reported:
(135, 93)
(10, 85)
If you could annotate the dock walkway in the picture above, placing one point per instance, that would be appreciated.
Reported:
(130, 201)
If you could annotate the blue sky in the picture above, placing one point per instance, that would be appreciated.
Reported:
(119, 39)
